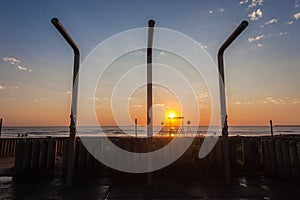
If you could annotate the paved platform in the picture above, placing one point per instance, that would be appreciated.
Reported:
(136, 187)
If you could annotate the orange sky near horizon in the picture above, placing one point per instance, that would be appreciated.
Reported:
(56, 113)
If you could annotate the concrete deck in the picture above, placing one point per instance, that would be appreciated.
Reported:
(135, 187)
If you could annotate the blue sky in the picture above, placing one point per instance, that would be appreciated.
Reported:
(262, 66)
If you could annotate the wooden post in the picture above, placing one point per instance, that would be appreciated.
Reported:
(294, 160)
(50, 164)
(135, 127)
(0, 126)
(271, 125)
(27, 156)
(43, 155)
(279, 157)
(35, 153)
(273, 158)
(286, 158)
(19, 157)
(267, 157)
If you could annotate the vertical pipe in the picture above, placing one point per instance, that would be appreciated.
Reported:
(227, 43)
(149, 94)
(271, 125)
(149, 78)
(72, 137)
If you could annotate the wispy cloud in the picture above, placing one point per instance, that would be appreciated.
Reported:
(282, 33)
(290, 22)
(255, 15)
(37, 100)
(162, 53)
(202, 45)
(2, 87)
(255, 3)
(254, 39)
(243, 2)
(22, 68)
(297, 16)
(271, 21)
(296, 4)
(17, 63)
(216, 10)
(221, 9)
(259, 45)
(268, 100)
(137, 106)
(11, 60)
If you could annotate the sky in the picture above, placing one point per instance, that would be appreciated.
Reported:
(261, 67)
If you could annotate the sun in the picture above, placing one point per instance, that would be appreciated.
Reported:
(171, 115)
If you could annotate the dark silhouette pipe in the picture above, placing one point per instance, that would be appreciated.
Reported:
(225, 145)
(72, 137)
(151, 24)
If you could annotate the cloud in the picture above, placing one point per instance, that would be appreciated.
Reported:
(253, 39)
(255, 15)
(202, 45)
(297, 16)
(283, 33)
(22, 68)
(221, 9)
(162, 53)
(255, 3)
(296, 4)
(272, 21)
(243, 2)
(137, 106)
(16, 63)
(40, 99)
(2, 87)
(268, 100)
(290, 22)
(210, 12)
(11, 60)
(259, 45)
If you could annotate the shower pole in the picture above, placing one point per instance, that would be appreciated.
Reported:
(225, 145)
(72, 137)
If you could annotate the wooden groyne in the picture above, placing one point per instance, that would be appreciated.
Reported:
(8, 146)
(33, 155)
(278, 157)
(282, 157)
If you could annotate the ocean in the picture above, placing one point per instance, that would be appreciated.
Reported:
(63, 131)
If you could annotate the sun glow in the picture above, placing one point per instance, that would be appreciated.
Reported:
(171, 115)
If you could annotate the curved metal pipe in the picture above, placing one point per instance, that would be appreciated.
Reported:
(227, 43)
(225, 145)
(65, 34)
(151, 24)
(72, 138)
